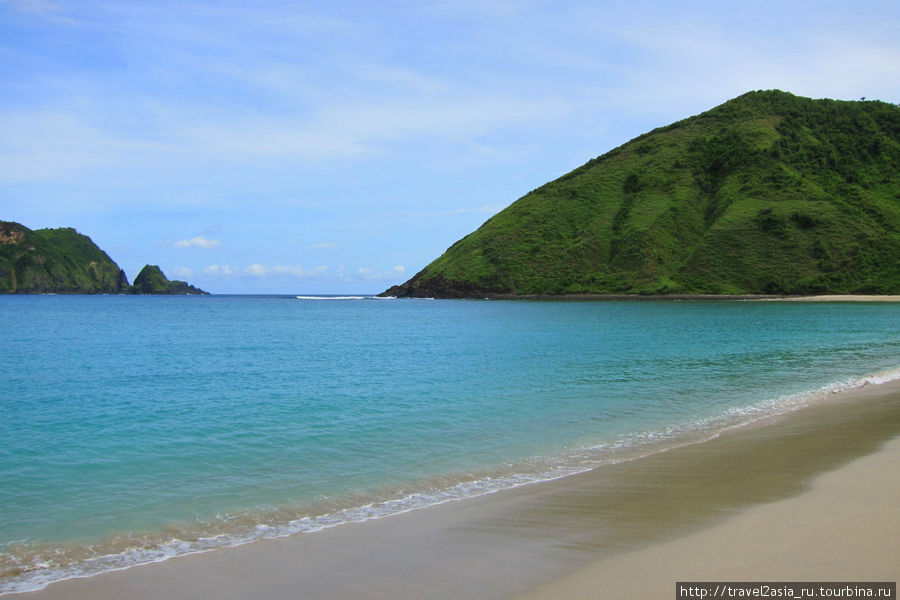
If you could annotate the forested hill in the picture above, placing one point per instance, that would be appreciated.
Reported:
(63, 261)
(55, 261)
(768, 193)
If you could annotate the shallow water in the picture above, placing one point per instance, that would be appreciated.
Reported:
(137, 428)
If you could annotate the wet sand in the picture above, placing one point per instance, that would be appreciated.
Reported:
(810, 495)
(845, 528)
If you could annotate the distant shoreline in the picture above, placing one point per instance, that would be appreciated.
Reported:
(684, 297)
(557, 297)
(841, 298)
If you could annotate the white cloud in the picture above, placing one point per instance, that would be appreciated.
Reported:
(256, 269)
(324, 246)
(197, 242)
(182, 272)
(33, 6)
(60, 144)
(259, 270)
(262, 271)
(218, 270)
(397, 271)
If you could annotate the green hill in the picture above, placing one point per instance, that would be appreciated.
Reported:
(55, 260)
(769, 193)
(151, 280)
(63, 261)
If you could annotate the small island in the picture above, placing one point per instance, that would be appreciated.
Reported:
(152, 281)
(63, 261)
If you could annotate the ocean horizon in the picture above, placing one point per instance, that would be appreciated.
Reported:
(140, 428)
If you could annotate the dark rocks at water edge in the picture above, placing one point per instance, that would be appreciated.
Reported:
(63, 261)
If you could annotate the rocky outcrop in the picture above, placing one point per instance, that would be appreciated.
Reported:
(151, 280)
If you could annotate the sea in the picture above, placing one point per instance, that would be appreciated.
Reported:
(135, 429)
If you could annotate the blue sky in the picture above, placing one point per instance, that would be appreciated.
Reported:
(340, 146)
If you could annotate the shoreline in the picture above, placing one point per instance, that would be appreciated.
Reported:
(844, 528)
(668, 297)
(541, 297)
(843, 298)
(509, 542)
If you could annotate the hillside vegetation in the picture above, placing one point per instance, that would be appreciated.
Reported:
(55, 261)
(151, 280)
(768, 193)
(63, 261)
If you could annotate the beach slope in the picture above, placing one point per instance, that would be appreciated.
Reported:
(810, 495)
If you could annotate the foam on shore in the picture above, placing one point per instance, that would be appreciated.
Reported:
(287, 521)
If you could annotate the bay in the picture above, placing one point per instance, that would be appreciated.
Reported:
(136, 428)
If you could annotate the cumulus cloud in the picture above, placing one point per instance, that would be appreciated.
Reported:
(258, 270)
(218, 270)
(182, 272)
(197, 242)
(263, 271)
(397, 271)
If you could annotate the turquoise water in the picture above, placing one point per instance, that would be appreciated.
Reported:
(136, 428)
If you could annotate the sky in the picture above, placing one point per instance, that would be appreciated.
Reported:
(338, 147)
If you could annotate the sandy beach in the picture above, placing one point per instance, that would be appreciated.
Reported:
(845, 528)
(842, 298)
(811, 495)
(697, 297)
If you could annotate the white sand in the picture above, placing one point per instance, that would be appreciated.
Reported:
(846, 528)
(841, 298)
(812, 496)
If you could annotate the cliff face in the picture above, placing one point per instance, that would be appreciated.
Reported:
(55, 261)
(63, 261)
(768, 193)
(151, 280)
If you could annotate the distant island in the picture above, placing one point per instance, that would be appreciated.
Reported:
(63, 261)
(152, 281)
(768, 193)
